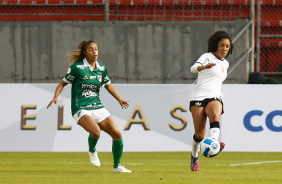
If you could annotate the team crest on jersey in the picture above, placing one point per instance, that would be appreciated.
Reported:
(99, 78)
(85, 77)
(222, 69)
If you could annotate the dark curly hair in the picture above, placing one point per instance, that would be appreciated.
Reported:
(216, 38)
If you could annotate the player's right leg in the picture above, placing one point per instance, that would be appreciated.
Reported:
(199, 119)
(89, 124)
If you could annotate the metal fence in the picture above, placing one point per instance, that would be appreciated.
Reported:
(125, 10)
(268, 34)
(269, 37)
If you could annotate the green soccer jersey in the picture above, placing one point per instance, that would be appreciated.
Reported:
(86, 83)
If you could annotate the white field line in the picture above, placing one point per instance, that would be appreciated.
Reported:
(70, 163)
(255, 163)
(85, 163)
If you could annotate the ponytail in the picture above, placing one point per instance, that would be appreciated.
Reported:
(78, 55)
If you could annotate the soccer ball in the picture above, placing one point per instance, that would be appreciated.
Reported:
(209, 147)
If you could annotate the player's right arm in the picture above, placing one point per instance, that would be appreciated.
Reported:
(196, 68)
(58, 91)
(201, 64)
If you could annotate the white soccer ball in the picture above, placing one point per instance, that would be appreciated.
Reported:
(209, 147)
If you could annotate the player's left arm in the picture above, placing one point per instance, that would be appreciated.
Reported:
(123, 103)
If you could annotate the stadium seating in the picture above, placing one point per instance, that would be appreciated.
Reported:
(151, 10)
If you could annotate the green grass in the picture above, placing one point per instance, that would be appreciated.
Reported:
(155, 167)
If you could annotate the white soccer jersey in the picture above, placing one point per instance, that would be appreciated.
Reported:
(210, 80)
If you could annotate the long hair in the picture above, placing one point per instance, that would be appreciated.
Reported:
(78, 55)
(215, 39)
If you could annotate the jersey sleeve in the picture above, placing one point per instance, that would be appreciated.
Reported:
(194, 68)
(202, 61)
(70, 75)
(106, 79)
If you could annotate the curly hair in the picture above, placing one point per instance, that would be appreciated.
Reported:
(78, 55)
(216, 38)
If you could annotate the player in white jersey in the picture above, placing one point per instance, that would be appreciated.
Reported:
(206, 99)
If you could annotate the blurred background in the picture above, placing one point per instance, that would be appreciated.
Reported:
(140, 41)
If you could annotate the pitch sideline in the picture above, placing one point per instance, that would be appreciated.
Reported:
(255, 163)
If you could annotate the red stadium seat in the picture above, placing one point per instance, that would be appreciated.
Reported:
(89, 2)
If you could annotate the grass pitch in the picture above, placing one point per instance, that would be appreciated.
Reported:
(147, 167)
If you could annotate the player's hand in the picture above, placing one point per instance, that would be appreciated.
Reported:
(123, 103)
(52, 101)
(209, 65)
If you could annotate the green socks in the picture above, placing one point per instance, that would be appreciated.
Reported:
(117, 149)
(92, 143)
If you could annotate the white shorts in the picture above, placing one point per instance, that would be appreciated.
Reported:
(97, 114)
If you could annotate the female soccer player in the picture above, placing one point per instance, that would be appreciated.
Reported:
(87, 76)
(206, 99)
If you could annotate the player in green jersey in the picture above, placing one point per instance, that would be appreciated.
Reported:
(87, 76)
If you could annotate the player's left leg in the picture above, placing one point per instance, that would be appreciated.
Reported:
(109, 126)
(214, 111)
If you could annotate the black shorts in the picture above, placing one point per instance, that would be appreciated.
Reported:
(205, 102)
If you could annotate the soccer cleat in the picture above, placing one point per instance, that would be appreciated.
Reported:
(194, 164)
(222, 145)
(94, 159)
(121, 169)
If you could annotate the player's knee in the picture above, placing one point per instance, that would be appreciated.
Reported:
(214, 117)
(95, 133)
(116, 135)
(198, 137)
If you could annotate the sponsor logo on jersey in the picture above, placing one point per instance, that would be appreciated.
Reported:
(92, 77)
(218, 98)
(69, 70)
(106, 79)
(89, 86)
(90, 105)
(80, 66)
(85, 77)
(206, 61)
(101, 68)
(89, 93)
(99, 78)
(198, 104)
(70, 77)
(87, 106)
(78, 113)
